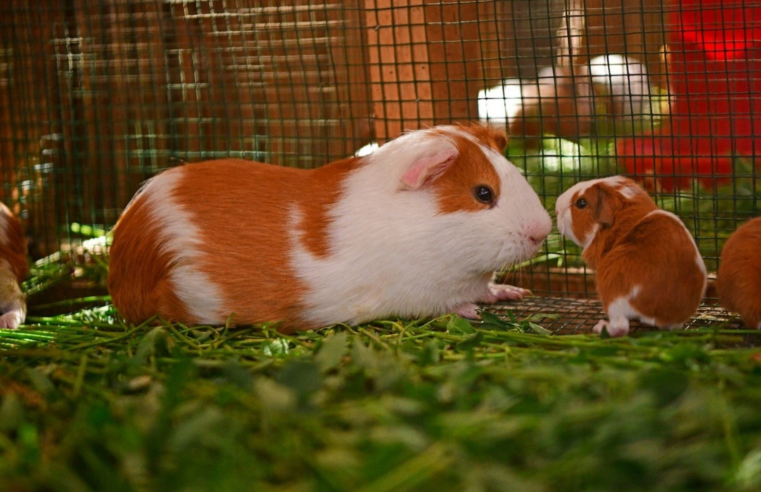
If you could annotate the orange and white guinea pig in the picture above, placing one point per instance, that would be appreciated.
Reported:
(647, 264)
(415, 229)
(13, 269)
(739, 279)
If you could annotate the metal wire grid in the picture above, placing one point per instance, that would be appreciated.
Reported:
(565, 316)
(98, 96)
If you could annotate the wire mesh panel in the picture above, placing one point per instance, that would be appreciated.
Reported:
(97, 96)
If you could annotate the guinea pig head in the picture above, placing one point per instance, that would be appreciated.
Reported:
(482, 204)
(595, 208)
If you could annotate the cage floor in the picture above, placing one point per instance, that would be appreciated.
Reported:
(567, 316)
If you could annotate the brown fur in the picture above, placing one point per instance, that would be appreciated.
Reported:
(489, 135)
(13, 245)
(455, 187)
(254, 250)
(739, 279)
(138, 281)
(632, 248)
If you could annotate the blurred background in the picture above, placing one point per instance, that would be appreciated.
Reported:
(96, 96)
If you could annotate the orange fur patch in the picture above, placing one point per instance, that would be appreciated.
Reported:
(13, 249)
(488, 135)
(324, 189)
(138, 275)
(658, 256)
(243, 213)
(739, 279)
(455, 188)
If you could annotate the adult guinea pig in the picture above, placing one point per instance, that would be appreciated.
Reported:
(739, 279)
(415, 229)
(648, 266)
(13, 269)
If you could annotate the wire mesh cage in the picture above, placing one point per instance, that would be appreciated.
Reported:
(97, 96)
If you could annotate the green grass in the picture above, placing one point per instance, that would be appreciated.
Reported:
(88, 403)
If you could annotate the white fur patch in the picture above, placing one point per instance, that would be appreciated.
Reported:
(4, 225)
(12, 303)
(394, 254)
(620, 312)
(366, 150)
(180, 238)
(759, 325)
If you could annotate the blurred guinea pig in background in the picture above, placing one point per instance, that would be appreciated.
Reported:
(647, 265)
(13, 269)
(564, 101)
(416, 228)
(739, 279)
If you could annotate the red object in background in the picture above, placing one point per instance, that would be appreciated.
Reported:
(714, 74)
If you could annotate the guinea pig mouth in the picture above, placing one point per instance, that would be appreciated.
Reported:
(517, 250)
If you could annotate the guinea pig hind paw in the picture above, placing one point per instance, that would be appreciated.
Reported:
(11, 320)
(616, 329)
(469, 311)
(503, 292)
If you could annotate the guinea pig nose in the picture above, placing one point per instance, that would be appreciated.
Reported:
(535, 233)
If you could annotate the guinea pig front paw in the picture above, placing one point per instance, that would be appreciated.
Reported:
(12, 319)
(617, 328)
(503, 292)
(468, 310)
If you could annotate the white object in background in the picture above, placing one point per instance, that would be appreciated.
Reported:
(500, 104)
(625, 80)
(366, 150)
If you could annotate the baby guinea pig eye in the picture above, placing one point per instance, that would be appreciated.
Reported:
(484, 194)
(581, 203)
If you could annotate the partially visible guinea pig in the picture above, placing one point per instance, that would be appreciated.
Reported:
(13, 269)
(560, 103)
(647, 264)
(739, 279)
(417, 228)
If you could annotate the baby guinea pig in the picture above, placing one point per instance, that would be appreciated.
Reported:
(739, 279)
(415, 229)
(647, 264)
(13, 269)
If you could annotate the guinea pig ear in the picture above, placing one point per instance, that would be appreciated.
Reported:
(604, 210)
(500, 141)
(427, 168)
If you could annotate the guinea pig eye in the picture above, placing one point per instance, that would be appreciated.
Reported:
(581, 203)
(483, 194)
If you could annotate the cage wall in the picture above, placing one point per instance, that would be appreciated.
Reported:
(97, 96)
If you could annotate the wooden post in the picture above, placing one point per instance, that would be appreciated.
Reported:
(426, 63)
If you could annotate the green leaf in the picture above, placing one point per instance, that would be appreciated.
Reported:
(274, 397)
(496, 321)
(155, 341)
(275, 348)
(302, 377)
(331, 352)
(539, 329)
(471, 342)
(430, 354)
(459, 325)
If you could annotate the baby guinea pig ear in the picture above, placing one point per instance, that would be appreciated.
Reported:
(605, 206)
(428, 167)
